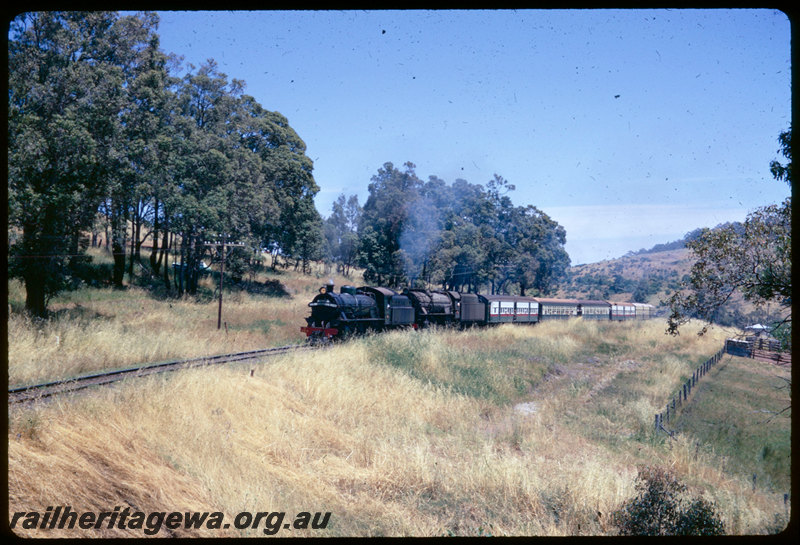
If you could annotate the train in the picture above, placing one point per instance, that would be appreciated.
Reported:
(356, 311)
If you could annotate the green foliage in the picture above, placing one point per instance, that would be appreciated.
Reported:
(755, 262)
(753, 259)
(97, 122)
(341, 233)
(661, 508)
(461, 236)
(781, 172)
(69, 76)
(392, 195)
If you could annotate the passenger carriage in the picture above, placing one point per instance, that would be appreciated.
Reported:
(594, 310)
(644, 311)
(526, 310)
(499, 308)
(510, 309)
(621, 312)
(557, 309)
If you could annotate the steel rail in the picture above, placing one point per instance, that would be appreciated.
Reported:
(33, 392)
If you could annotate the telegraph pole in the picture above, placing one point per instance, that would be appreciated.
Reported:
(222, 272)
(221, 275)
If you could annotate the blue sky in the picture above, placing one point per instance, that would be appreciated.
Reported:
(628, 127)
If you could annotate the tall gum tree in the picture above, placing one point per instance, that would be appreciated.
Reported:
(67, 78)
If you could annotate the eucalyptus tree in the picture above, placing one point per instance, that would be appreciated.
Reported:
(288, 219)
(458, 261)
(753, 259)
(202, 169)
(141, 184)
(341, 233)
(240, 171)
(472, 250)
(383, 219)
(487, 242)
(68, 72)
(539, 259)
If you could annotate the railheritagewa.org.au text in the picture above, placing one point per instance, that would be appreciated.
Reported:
(270, 522)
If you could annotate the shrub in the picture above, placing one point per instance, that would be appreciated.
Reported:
(662, 508)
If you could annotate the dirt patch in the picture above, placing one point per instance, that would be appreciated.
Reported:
(525, 408)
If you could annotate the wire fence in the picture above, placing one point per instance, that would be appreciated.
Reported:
(756, 348)
(685, 391)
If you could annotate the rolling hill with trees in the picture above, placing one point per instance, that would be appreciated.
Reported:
(654, 275)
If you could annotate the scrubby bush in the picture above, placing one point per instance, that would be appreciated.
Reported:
(662, 508)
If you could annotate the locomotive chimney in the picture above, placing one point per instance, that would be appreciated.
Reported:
(329, 285)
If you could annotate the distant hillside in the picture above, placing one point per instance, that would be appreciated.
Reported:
(674, 245)
(651, 276)
(642, 278)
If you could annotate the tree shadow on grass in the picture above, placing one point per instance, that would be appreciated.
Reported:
(77, 313)
(270, 288)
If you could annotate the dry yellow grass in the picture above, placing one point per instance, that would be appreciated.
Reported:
(386, 453)
(101, 329)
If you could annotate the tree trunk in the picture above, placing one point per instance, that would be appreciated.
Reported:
(165, 248)
(118, 233)
(135, 222)
(105, 232)
(35, 302)
(154, 262)
(137, 238)
(34, 275)
(179, 272)
(133, 246)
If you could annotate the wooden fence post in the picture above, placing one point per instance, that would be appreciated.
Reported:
(686, 389)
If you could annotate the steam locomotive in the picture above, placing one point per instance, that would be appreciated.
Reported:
(355, 311)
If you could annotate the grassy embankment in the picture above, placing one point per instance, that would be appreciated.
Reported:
(101, 328)
(507, 431)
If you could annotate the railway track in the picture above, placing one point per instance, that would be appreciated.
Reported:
(27, 394)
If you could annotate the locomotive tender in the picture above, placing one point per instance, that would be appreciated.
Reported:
(358, 310)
